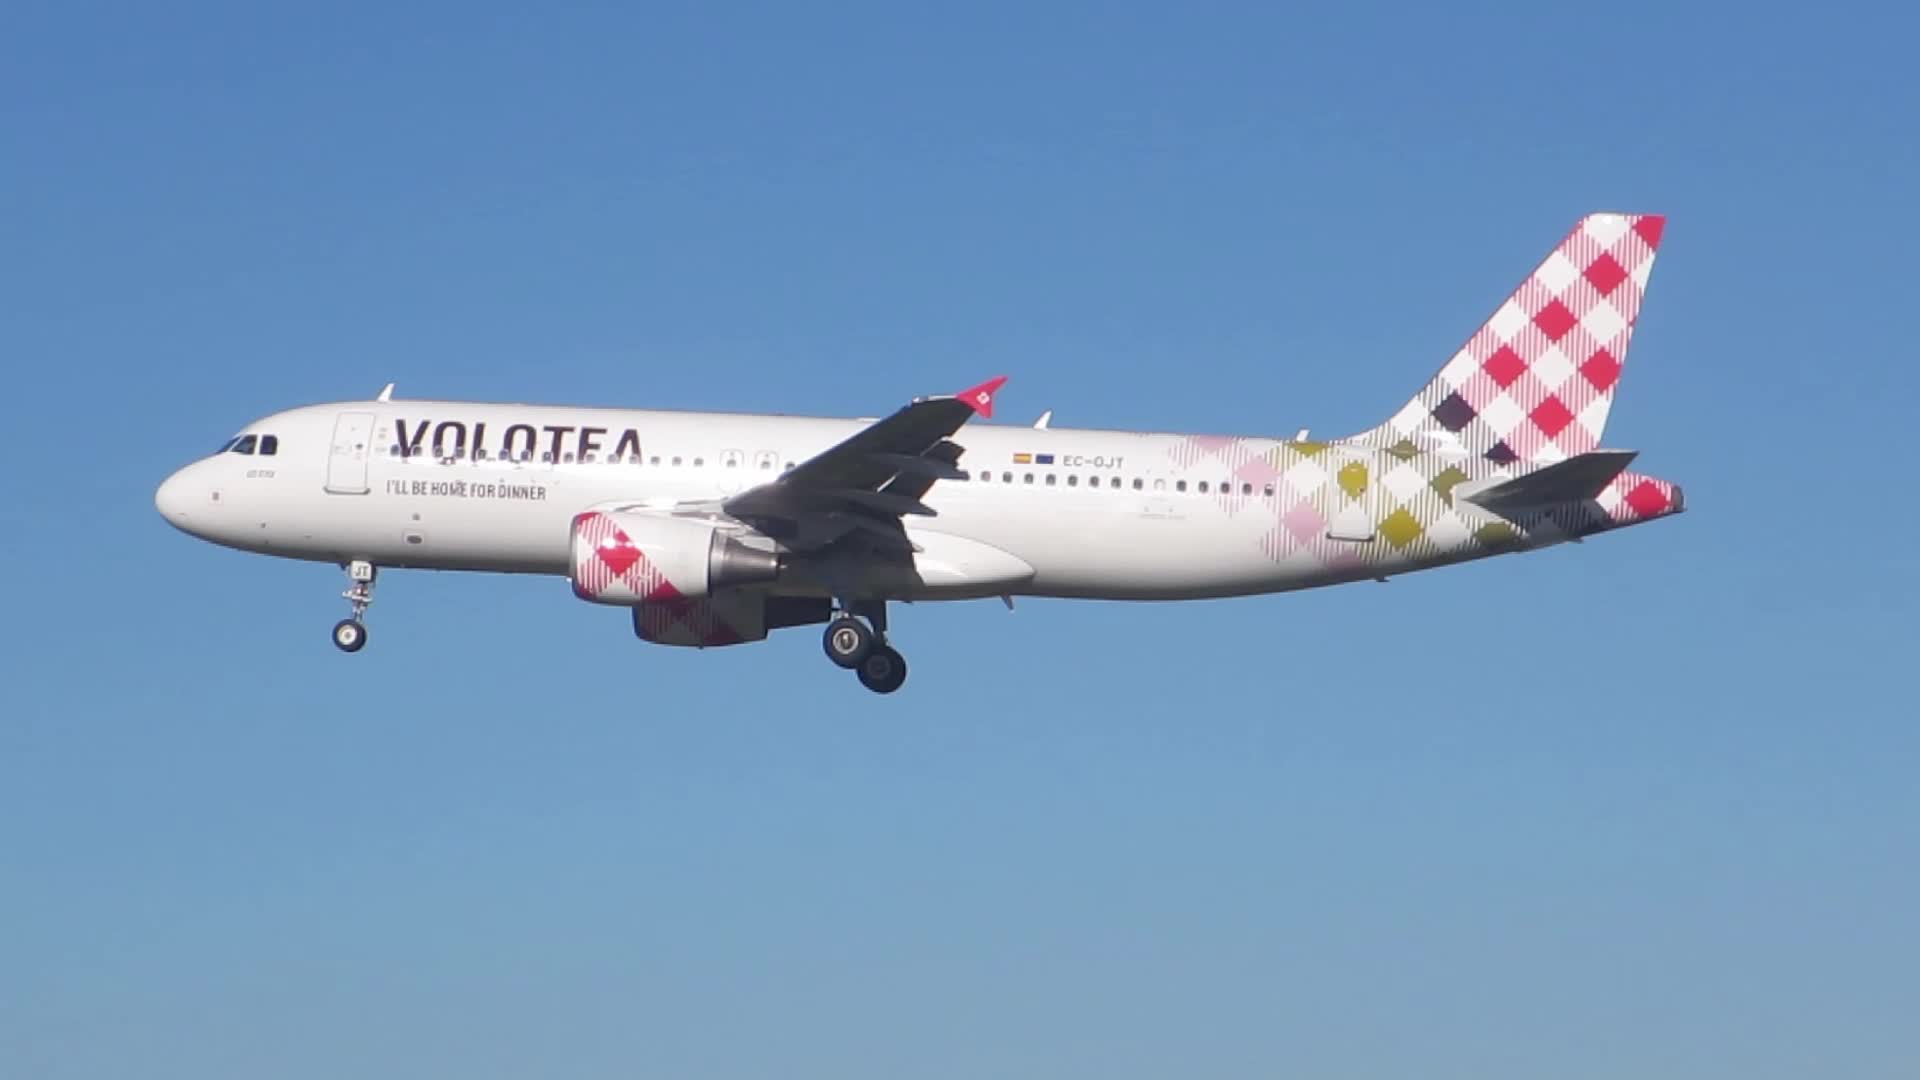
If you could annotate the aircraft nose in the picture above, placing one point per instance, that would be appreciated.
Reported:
(174, 498)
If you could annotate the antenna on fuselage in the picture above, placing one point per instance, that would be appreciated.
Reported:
(386, 393)
(1045, 419)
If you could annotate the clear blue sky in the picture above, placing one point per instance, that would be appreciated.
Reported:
(1645, 807)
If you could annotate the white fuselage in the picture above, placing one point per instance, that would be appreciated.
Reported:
(491, 487)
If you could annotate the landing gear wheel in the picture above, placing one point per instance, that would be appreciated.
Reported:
(349, 635)
(847, 641)
(883, 671)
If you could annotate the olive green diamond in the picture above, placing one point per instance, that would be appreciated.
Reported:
(1401, 528)
(1496, 534)
(1444, 484)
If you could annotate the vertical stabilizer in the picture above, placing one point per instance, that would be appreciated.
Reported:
(1535, 383)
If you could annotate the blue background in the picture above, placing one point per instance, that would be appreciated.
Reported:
(1646, 806)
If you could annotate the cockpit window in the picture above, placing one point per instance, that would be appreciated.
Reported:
(269, 444)
(245, 444)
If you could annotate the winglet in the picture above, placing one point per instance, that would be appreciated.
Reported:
(981, 397)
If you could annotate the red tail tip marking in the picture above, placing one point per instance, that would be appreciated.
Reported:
(981, 397)
(1650, 227)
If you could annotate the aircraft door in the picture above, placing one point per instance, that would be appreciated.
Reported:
(347, 460)
(1353, 495)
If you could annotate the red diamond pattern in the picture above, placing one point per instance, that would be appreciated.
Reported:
(618, 553)
(1646, 499)
(1505, 366)
(1602, 370)
(1551, 417)
(1578, 306)
(1605, 273)
(1555, 320)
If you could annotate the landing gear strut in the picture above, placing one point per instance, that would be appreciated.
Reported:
(853, 644)
(350, 634)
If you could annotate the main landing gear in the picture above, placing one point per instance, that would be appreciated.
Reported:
(852, 644)
(350, 634)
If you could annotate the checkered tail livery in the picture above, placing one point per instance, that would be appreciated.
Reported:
(1535, 383)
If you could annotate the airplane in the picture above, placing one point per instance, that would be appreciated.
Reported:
(717, 529)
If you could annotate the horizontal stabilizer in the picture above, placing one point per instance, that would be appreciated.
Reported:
(1577, 479)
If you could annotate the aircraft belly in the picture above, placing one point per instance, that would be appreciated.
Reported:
(1126, 555)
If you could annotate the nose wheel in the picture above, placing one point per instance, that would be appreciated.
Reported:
(852, 644)
(350, 634)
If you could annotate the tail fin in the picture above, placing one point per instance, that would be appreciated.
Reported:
(1535, 383)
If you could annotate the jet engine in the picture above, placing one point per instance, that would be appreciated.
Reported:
(730, 618)
(633, 557)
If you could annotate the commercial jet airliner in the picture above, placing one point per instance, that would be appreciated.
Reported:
(718, 528)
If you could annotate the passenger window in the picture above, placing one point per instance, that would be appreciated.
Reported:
(1203, 487)
(1073, 481)
(676, 463)
(1179, 485)
(546, 457)
(1159, 485)
(986, 477)
(1029, 478)
(699, 463)
(965, 475)
(1139, 484)
(1246, 489)
(1051, 478)
(245, 445)
(269, 444)
(1267, 491)
(732, 459)
(766, 460)
(1006, 478)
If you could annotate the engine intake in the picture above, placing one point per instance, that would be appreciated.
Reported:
(629, 557)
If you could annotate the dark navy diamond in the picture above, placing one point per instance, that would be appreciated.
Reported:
(1454, 413)
(1502, 454)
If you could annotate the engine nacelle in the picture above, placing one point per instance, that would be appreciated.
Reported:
(629, 558)
(729, 618)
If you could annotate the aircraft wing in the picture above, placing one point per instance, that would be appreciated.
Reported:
(869, 480)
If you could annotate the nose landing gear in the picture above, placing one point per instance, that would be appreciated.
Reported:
(350, 634)
(851, 644)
